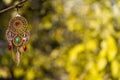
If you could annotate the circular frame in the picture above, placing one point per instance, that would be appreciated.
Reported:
(22, 24)
(19, 43)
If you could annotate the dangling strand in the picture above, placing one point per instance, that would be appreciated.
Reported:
(17, 12)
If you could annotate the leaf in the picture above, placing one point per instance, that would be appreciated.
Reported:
(112, 48)
(115, 69)
(75, 51)
(18, 72)
(91, 45)
(30, 75)
(101, 64)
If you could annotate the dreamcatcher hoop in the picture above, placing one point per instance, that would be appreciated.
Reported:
(17, 35)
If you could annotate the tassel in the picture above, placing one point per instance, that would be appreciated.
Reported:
(10, 46)
(24, 48)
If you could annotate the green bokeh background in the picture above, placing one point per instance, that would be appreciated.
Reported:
(70, 40)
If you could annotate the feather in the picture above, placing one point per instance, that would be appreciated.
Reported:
(18, 58)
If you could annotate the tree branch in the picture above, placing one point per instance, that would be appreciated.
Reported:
(13, 6)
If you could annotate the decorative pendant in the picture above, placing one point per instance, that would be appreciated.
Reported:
(17, 35)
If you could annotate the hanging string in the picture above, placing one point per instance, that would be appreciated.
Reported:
(17, 7)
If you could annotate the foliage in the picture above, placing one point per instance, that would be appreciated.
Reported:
(70, 40)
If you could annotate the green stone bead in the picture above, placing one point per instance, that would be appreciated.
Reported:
(17, 40)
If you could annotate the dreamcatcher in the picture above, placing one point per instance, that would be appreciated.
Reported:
(17, 36)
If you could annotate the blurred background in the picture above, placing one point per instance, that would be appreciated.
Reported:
(70, 40)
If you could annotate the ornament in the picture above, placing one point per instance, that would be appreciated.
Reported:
(17, 35)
